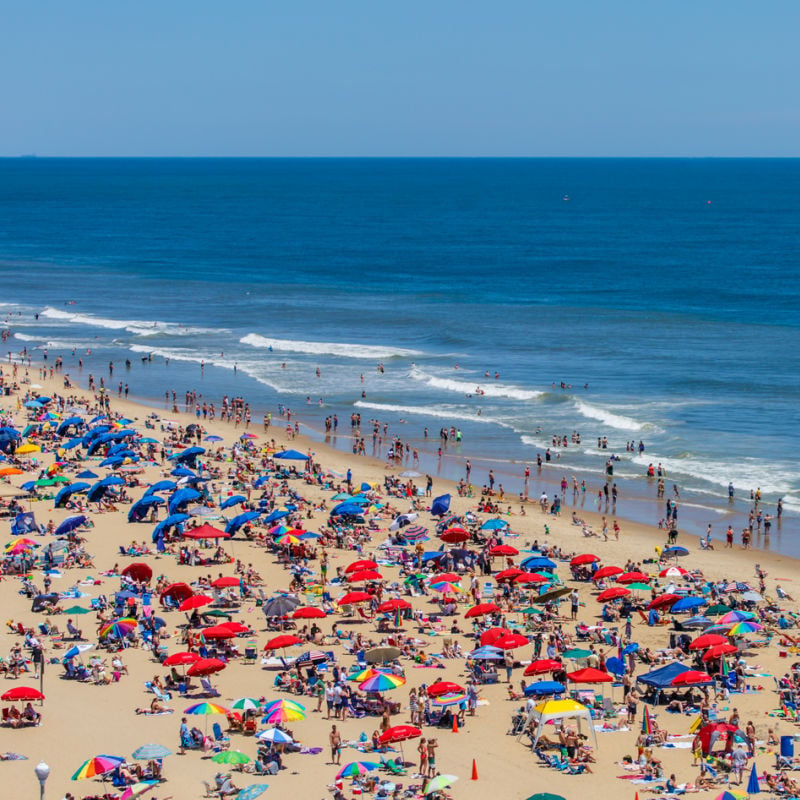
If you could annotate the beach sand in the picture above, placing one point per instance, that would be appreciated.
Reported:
(81, 720)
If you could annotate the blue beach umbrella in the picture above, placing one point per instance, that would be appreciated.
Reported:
(140, 508)
(752, 783)
(181, 498)
(87, 474)
(252, 791)
(161, 486)
(275, 516)
(239, 520)
(182, 472)
(688, 603)
(675, 551)
(494, 525)
(533, 563)
(440, 505)
(234, 500)
(544, 687)
(67, 491)
(487, 653)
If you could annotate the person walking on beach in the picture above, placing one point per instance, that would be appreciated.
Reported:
(336, 745)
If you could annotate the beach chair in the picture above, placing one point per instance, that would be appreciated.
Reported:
(208, 689)
(250, 655)
(221, 742)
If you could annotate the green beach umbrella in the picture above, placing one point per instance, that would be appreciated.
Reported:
(640, 587)
(231, 757)
(77, 610)
(439, 783)
(576, 653)
(246, 704)
(546, 796)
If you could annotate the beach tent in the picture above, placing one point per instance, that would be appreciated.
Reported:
(558, 711)
(662, 677)
(291, 455)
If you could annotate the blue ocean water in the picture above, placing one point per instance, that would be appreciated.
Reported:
(669, 288)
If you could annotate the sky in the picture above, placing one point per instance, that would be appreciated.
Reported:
(380, 78)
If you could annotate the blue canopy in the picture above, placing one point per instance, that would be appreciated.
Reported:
(233, 500)
(181, 498)
(544, 687)
(160, 486)
(291, 455)
(69, 524)
(140, 508)
(440, 505)
(661, 678)
(239, 520)
(64, 494)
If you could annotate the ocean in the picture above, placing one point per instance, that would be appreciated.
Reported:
(652, 300)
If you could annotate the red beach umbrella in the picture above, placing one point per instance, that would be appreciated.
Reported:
(282, 641)
(22, 693)
(444, 687)
(225, 581)
(691, 677)
(445, 577)
(614, 593)
(489, 637)
(530, 577)
(584, 558)
(181, 659)
(503, 550)
(364, 563)
(177, 592)
(633, 577)
(663, 600)
(607, 572)
(719, 650)
(206, 666)
(708, 640)
(508, 574)
(511, 641)
(138, 571)
(364, 575)
(217, 632)
(399, 733)
(454, 535)
(481, 610)
(234, 627)
(353, 598)
(195, 601)
(395, 604)
(308, 612)
(541, 666)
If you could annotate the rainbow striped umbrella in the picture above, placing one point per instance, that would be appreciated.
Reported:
(135, 789)
(206, 708)
(283, 711)
(287, 539)
(446, 587)
(450, 699)
(745, 626)
(381, 682)
(97, 765)
(356, 768)
(119, 627)
(369, 672)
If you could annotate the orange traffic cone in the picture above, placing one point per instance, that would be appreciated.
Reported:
(474, 770)
(455, 723)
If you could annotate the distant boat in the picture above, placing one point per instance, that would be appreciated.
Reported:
(565, 198)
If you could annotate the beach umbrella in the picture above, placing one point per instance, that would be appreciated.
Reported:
(252, 791)
(614, 593)
(218, 632)
(633, 577)
(150, 751)
(503, 550)
(691, 677)
(440, 505)
(439, 783)
(675, 552)
(481, 610)
(354, 598)
(225, 581)
(356, 768)
(363, 563)
(487, 653)
(607, 572)
(546, 796)
(443, 687)
(541, 666)
(688, 603)
(507, 574)
(138, 571)
(584, 558)
(731, 794)
(181, 659)
(283, 641)
(510, 641)
(752, 783)
(233, 500)
(72, 610)
(494, 525)
(364, 575)
(454, 535)
(283, 711)
(97, 765)
(698, 621)
(719, 650)
(663, 600)
(576, 653)
(119, 627)
(492, 634)
(231, 757)
(381, 682)
(161, 486)
(399, 733)
(308, 612)
(284, 702)
(70, 524)
(177, 592)
(275, 735)
(24, 693)
(446, 587)
(535, 563)
(195, 601)
(312, 657)
(745, 626)
(553, 594)
(673, 572)
(205, 709)
(395, 604)
(734, 617)
(541, 688)
(380, 655)
(206, 666)
(280, 606)
(707, 640)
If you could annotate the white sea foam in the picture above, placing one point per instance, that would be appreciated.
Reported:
(610, 418)
(440, 412)
(135, 326)
(487, 388)
(342, 349)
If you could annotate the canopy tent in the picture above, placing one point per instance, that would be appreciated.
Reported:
(662, 677)
(557, 711)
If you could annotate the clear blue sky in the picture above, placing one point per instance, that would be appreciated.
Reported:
(374, 77)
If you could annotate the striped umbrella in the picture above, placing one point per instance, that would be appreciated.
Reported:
(119, 627)
(450, 699)
(356, 768)
(283, 711)
(149, 751)
(246, 704)
(136, 789)
(205, 708)
(381, 682)
(97, 765)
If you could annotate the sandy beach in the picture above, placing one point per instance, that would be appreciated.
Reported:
(83, 719)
